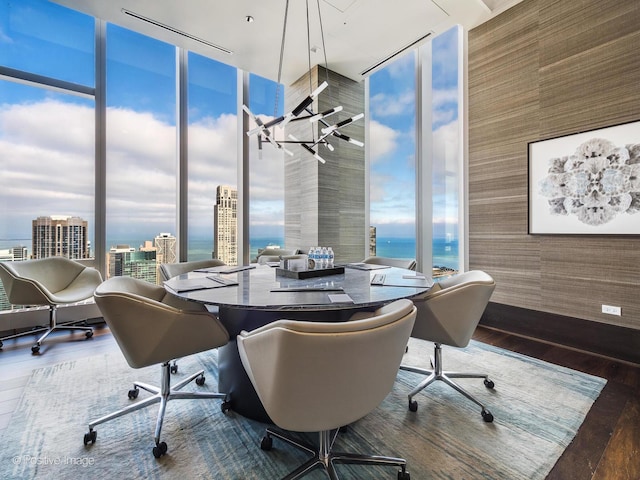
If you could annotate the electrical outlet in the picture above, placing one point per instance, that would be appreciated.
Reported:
(611, 310)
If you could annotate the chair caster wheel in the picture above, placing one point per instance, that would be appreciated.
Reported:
(133, 393)
(489, 383)
(159, 450)
(89, 334)
(413, 406)
(35, 349)
(404, 475)
(487, 416)
(266, 443)
(174, 368)
(225, 406)
(200, 380)
(90, 437)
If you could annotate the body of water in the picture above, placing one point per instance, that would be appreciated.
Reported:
(445, 254)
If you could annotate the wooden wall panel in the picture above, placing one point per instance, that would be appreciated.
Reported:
(541, 69)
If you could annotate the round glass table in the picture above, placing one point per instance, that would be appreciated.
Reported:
(252, 296)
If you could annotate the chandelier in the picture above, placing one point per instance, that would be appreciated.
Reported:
(265, 131)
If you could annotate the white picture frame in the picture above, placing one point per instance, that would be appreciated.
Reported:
(586, 183)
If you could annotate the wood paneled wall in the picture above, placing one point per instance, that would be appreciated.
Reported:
(541, 69)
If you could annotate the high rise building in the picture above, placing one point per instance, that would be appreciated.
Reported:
(166, 246)
(124, 260)
(372, 241)
(61, 236)
(14, 254)
(225, 225)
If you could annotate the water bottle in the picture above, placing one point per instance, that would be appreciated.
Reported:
(331, 258)
(325, 257)
(311, 258)
(318, 258)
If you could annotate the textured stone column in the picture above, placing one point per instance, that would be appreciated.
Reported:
(325, 203)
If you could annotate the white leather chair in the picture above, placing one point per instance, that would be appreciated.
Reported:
(320, 376)
(391, 262)
(170, 270)
(149, 330)
(50, 281)
(448, 314)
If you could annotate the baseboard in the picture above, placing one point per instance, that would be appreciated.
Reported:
(611, 341)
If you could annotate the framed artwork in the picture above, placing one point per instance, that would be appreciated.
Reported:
(586, 183)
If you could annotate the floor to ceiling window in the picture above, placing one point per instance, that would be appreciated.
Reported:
(47, 143)
(392, 137)
(213, 146)
(446, 146)
(266, 169)
(46, 132)
(141, 151)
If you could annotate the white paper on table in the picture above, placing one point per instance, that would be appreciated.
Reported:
(340, 298)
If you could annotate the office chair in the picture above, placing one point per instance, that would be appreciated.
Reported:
(50, 281)
(320, 376)
(170, 270)
(150, 330)
(391, 262)
(448, 314)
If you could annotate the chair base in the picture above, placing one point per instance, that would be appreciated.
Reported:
(53, 325)
(161, 395)
(323, 456)
(438, 374)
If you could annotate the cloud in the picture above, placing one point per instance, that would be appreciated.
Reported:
(47, 160)
(385, 105)
(383, 140)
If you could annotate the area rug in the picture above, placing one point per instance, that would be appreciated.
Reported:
(538, 408)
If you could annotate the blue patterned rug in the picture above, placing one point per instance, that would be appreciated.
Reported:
(538, 408)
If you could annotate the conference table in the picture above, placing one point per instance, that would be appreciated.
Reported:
(248, 297)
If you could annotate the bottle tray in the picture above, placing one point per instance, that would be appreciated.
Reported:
(300, 274)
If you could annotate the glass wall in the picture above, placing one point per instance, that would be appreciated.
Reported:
(392, 146)
(446, 145)
(212, 146)
(48, 141)
(141, 149)
(266, 169)
(47, 137)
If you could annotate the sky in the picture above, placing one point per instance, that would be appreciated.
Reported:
(47, 138)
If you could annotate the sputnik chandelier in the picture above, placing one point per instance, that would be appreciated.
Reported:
(265, 130)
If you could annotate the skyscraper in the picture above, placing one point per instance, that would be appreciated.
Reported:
(124, 260)
(165, 244)
(61, 236)
(225, 225)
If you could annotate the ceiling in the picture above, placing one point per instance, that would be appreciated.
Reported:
(360, 36)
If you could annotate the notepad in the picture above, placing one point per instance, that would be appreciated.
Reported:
(237, 269)
(308, 289)
(188, 285)
(340, 298)
(224, 282)
(366, 266)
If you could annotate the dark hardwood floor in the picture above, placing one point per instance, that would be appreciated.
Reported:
(607, 446)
